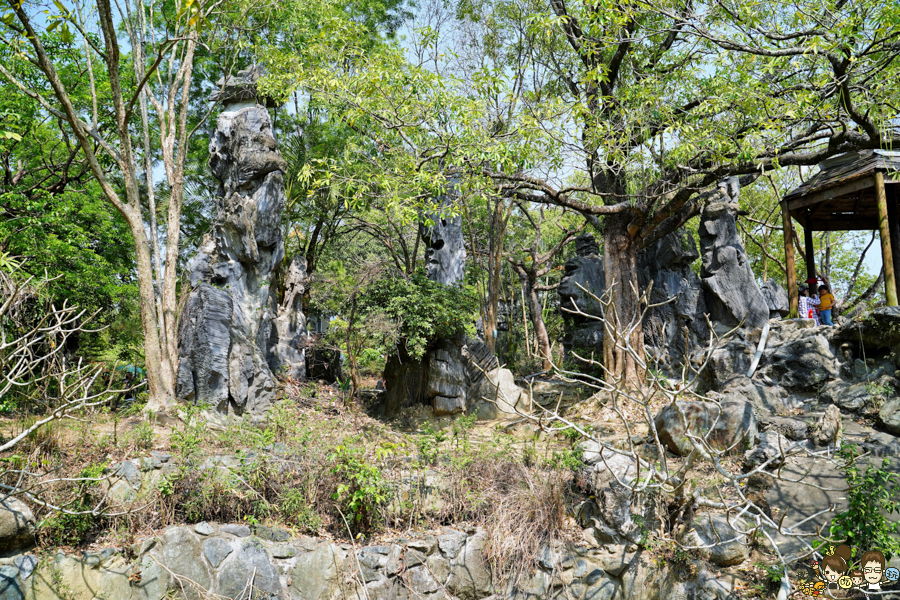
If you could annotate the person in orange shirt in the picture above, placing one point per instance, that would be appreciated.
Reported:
(826, 302)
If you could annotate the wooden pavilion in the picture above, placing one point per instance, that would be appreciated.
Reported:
(852, 191)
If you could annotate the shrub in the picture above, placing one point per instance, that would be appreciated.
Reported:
(873, 494)
(362, 490)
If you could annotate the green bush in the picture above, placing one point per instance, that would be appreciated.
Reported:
(426, 310)
(362, 490)
(873, 494)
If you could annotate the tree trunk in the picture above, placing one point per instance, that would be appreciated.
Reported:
(622, 325)
(537, 320)
(161, 392)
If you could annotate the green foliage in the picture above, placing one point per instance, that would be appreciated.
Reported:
(874, 495)
(141, 437)
(187, 439)
(362, 490)
(425, 310)
(429, 443)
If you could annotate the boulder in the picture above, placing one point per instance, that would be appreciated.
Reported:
(861, 398)
(317, 575)
(725, 544)
(249, 563)
(16, 526)
(729, 361)
(498, 394)
(879, 330)
(889, 416)
(771, 451)
(793, 429)
(804, 364)
(608, 477)
(776, 298)
(180, 551)
(732, 294)
(730, 425)
(827, 429)
(470, 575)
(766, 399)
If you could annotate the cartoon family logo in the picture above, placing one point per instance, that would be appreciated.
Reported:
(835, 573)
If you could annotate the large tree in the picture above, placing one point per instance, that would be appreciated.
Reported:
(628, 112)
(117, 78)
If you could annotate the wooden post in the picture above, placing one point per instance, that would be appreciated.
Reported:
(810, 255)
(894, 225)
(884, 230)
(789, 261)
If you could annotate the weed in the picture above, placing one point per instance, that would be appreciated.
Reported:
(186, 440)
(430, 442)
(141, 437)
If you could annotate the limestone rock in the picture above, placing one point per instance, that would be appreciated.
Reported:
(609, 476)
(445, 251)
(727, 546)
(805, 364)
(771, 451)
(317, 574)
(180, 552)
(793, 429)
(766, 399)
(216, 550)
(250, 562)
(729, 425)
(675, 328)
(204, 343)
(10, 588)
(729, 361)
(776, 299)
(16, 525)
(732, 294)
(470, 576)
(287, 349)
(446, 382)
(498, 394)
(889, 416)
(232, 332)
(583, 273)
(827, 430)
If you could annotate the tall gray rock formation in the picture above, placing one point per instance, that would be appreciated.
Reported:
(679, 326)
(583, 274)
(732, 294)
(233, 331)
(455, 374)
(445, 251)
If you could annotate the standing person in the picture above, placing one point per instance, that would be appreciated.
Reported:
(826, 300)
(808, 305)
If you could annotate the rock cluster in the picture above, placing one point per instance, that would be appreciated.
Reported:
(455, 375)
(676, 330)
(233, 331)
(235, 562)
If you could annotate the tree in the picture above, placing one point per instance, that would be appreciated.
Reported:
(102, 96)
(533, 263)
(627, 113)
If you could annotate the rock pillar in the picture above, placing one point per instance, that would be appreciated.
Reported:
(233, 330)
